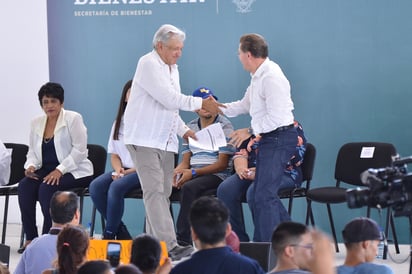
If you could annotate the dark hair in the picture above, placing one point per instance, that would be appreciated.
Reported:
(63, 206)
(120, 111)
(95, 267)
(53, 90)
(209, 218)
(255, 44)
(72, 245)
(127, 269)
(146, 253)
(287, 233)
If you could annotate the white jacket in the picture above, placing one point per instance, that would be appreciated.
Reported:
(70, 141)
(5, 161)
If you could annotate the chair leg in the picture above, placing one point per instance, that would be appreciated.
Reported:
(395, 237)
(6, 210)
(81, 208)
(332, 226)
(290, 205)
(92, 223)
(390, 222)
(309, 213)
(22, 237)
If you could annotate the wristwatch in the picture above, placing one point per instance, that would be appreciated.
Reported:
(194, 174)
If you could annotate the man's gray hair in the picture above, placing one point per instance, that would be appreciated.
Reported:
(167, 31)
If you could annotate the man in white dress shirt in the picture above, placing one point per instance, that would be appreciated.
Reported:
(269, 103)
(152, 123)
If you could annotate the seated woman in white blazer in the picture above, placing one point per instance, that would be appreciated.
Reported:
(56, 160)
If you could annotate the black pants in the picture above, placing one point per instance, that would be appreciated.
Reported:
(191, 190)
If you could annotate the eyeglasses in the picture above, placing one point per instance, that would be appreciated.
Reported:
(307, 246)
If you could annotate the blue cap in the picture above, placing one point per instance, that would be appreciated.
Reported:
(203, 92)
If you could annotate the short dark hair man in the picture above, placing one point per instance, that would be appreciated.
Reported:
(39, 255)
(361, 237)
(292, 245)
(209, 220)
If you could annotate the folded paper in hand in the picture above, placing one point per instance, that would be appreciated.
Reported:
(209, 138)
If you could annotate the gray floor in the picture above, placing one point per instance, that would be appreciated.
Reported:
(399, 262)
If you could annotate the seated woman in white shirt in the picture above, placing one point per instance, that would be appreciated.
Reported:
(108, 190)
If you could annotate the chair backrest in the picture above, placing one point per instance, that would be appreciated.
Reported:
(5, 254)
(261, 252)
(98, 156)
(308, 164)
(18, 158)
(355, 158)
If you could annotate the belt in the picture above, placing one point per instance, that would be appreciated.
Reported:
(277, 130)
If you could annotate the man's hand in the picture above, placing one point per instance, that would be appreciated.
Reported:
(212, 106)
(238, 136)
(190, 133)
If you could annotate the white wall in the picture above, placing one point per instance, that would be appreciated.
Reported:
(23, 69)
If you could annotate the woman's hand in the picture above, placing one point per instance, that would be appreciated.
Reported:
(246, 173)
(30, 173)
(53, 178)
(117, 174)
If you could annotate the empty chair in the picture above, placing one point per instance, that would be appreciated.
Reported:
(351, 161)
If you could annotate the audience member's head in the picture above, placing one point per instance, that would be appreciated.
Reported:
(95, 267)
(146, 253)
(72, 245)
(127, 269)
(51, 90)
(292, 245)
(209, 220)
(64, 207)
(362, 234)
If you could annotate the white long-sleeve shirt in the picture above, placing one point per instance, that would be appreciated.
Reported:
(118, 147)
(267, 99)
(5, 161)
(151, 117)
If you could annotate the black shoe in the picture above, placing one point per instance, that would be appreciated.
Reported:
(123, 233)
(108, 235)
(179, 252)
(183, 243)
(21, 250)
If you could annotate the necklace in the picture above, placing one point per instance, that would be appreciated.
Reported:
(47, 140)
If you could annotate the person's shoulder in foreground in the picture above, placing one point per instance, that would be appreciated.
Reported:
(290, 271)
(369, 268)
(218, 260)
(209, 220)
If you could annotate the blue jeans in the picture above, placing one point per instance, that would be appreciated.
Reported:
(275, 150)
(234, 190)
(108, 197)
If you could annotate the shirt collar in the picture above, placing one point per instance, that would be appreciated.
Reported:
(261, 69)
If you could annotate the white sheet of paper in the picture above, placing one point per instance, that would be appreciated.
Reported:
(367, 152)
(210, 138)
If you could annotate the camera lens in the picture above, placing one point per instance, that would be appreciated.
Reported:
(357, 197)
